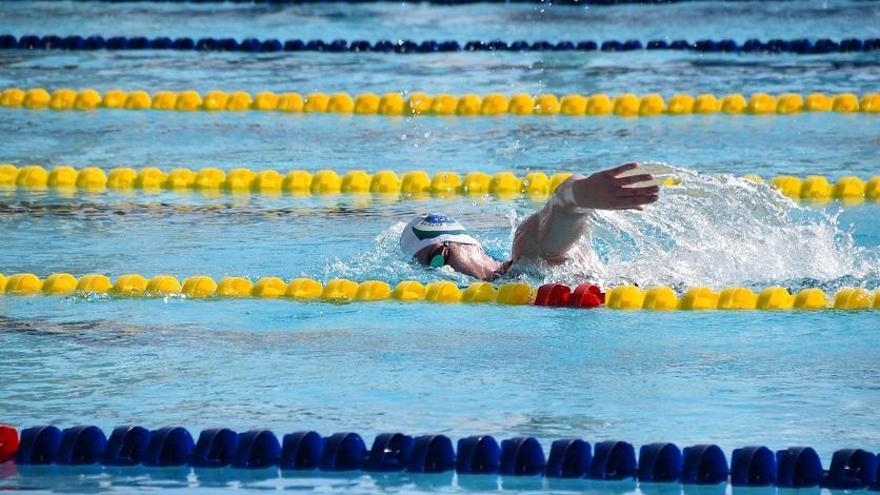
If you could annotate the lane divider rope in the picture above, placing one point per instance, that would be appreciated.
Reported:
(801, 46)
(624, 297)
(418, 103)
(413, 183)
(661, 462)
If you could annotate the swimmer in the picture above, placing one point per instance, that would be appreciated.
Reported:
(547, 235)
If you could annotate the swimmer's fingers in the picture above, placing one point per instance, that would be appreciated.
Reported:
(633, 179)
(614, 172)
(629, 192)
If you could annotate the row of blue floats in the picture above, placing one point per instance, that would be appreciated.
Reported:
(795, 467)
(76, 42)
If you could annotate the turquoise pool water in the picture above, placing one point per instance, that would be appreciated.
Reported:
(731, 378)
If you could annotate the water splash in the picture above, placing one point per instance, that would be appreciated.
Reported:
(719, 230)
(716, 230)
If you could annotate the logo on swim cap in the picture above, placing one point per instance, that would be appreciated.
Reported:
(429, 229)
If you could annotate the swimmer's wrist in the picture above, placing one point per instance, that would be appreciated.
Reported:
(564, 199)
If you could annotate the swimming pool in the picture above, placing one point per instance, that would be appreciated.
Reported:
(730, 378)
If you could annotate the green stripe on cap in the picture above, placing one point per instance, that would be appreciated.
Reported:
(430, 234)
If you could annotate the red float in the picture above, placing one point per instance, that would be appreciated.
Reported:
(553, 295)
(8, 442)
(587, 296)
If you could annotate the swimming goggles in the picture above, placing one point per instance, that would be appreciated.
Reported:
(440, 256)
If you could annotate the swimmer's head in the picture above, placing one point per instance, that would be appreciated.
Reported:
(437, 240)
(431, 230)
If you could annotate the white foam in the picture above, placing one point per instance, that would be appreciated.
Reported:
(717, 230)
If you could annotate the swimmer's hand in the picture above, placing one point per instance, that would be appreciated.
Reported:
(608, 190)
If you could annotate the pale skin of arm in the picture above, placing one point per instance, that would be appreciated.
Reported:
(552, 231)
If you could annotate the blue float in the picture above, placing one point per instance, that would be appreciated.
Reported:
(226, 44)
(257, 449)
(449, 46)
(778, 46)
(343, 452)
(271, 46)
(851, 469)
(336, 46)
(753, 45)
(587, 46)
(706, 46)
(302, 450)
(383, 46)
(28, 42)
(390, 452)
(753, 466)
(127, 446)
(659, 462)
(139, 43)
(613, 460)
(569, 458)
(704, 465)
(680, 45)
(8, 41)
(658, 45)
(315, 45)
(249, 45)
(432, 454)
(541, 46)
(95, 43)
(630, 45)
(801, 46)
(50, 42)
(406, 46)
(519, 46)
(611, 46)
(728, 46)
(498, 45)
(215, 448)
(73, 43)
(478, 455)
(206, 44)
(162, 43)
(358, 46)
(184, 44)
(38, 445)
(117, 43)
(429, 46)
(825, 45)
(81, 445)
(521, 456)
(169, 446)
(798, 467)
(294, 46)
(563, 46)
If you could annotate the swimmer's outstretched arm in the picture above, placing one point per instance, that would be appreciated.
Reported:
(551, 232)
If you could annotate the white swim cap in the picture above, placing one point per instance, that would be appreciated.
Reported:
(428, 229)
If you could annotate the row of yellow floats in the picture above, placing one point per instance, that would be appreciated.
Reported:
(415, 182)
(626, 297)
(133, 284)
(818, 188)
(419, 103)
(502, 184)
(738, 298)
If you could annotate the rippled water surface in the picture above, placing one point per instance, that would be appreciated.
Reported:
(731, 378)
